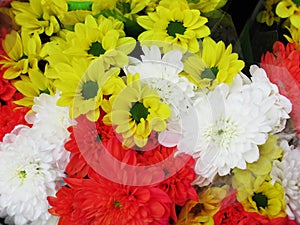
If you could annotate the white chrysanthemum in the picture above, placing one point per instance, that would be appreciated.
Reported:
(51, 123)
(231, 122)
(286, 172)
(275, 106)
(27, 177)
(162, 74)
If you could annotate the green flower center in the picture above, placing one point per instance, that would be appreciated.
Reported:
(22, 174)
(89, 90)
(261, 200)
(96, 49)
(139, 111)
(46, 91)
(175, 27)
(117, 204)
(74, 5)
(297, 2)
(209, 73)
(124, 7)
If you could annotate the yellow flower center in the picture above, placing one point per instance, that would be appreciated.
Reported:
(96, 49)
(261, 200)
(139, 111)
(175, 27)
(74, 5)
(89, 90)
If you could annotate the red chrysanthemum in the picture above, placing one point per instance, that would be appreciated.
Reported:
(86, 141)
(100, 201)
(10, 117)
(178, 171)
(62, 206)
(282, 67)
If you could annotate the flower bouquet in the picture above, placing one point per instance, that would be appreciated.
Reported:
(147, 112)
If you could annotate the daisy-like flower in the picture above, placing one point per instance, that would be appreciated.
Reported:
(32, 86)
(203, 210)
(100, 38)
(289, 9)
(136, 111)
(130, 7)
(204, 6)
(33, 17)
(268, 15)
(31, 168)
(286, 172)
(267, 200)
(215, 64)
(176, 25)
(226, 136)
(82, 87)
(22, 52)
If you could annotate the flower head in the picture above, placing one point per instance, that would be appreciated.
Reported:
(136, 111)
(100, 38)
(115, 204)
(179, 26)
(215, 64)
(34, 18)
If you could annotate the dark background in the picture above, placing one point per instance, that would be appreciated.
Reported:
(240, 11)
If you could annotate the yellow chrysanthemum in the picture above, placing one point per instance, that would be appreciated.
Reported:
(23, 52)
(267, 200)
(202, 212)
(268, 15)
(130, 7)
(177, 25)
(136, 111)
(100, 38)
(294, 36)
(32, 86)
(215, 64)
(268, 152)
(289, 9)
(33, 17)
(204, 6)
(82, 86)
(257, 172)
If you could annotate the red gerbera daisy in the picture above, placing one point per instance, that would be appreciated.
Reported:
(282, 67)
